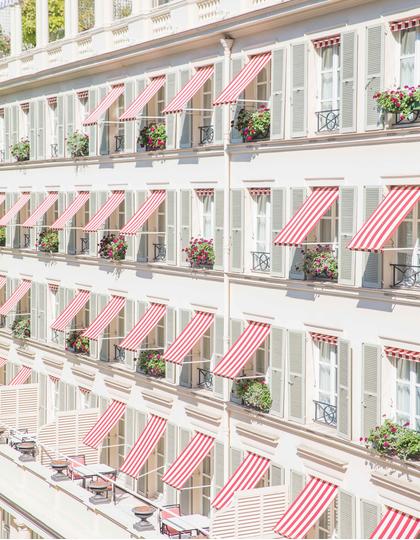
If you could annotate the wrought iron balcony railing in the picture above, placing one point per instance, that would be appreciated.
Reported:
(328, 120)
(84, 245)
(205, 379)
(325, 413)
(26, 240)
(206, 134)
(159, 252)
(119, 143)
(2, 156)
(54, 150)
(261, 261)
(405, 275)
(119, 354)
(410, 119)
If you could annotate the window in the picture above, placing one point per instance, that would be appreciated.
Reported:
(121, 451)
(28, 24)
(262, 83)
(207, 207)
(24, 121)
(328, 226)
(82, 105)
(160, 101)
(262, 227)
(53, 128)
(206, 490)
(2, 146)
(207, 103)
(86, 14)
(327, 373)
(327, 524)
(330, 78)
(407, 239)
(408, 393)
(160, 464)
(122, 8)
(55, 19)
(409, 57)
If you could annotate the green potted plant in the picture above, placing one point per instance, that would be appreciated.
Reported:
(151, 363)
(21, 328)
(401, 101)
(392, 439)
(21, 150)
(200, 253)
(78, 144)
(2, 236)
(48, 241)
(76, 343)
(254, 125)
(320, 263)
(4, 43)
(255, 394)
(153, 137)
(113, 247)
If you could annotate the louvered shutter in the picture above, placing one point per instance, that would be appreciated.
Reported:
(219, 205)
(297, 483)
(371, 375)
(69, 118)
(93, 312)
(129, 136)
(32, 129)
(43, 383)
(129, 322)
(171, 449)
(41, 311)
(185, 117)
(60, 126)
(185, 378)
(235, 459)
(374, 74)
(218, 114)
(299, 91)
(236, 328)
(7, 142)
(40, 150)
(171, 243)
(103, 130)
(218, 353)
(347, 213)
(185, 232)
(297, 368)
(62, 244)
(218, 467)
(14, 126)
(34, 310)
(236, 135)
(370, 515)
(171, 87)
(103, 344)
(34, 202)
(170, 336)
(236, 230)
(92, 130)
(295, 254)
(129, 209)
(277, 222)
(278, 62)
(70, 228)
(11, 198)
(185, 496)
(348, 62)
(344, 407)
(277, 347)
(346, 508)
(372, 275)
(277, 475)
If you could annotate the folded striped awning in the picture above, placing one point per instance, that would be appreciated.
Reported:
(105, 423)
(246, 476)
(137, 335)
(306, 218)
(105, 317)
(113, 202)
(324, 338)
(143, 98)
(188, 461)
(144, 446)
(21, 376)
(3, 362)
(247, 74)
(104, 105)
(71, 310)
(16, 296)
(19, 204)
(3, 280)
(42, 209)
(145, 211)
(404, 24)
(327, 41)
(197, 81)
(78, 203)
(242, 350)
(307, 508)
(396, 524)
(385, 219)
(404, 354)
(186, 340)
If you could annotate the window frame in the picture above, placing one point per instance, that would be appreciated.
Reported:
(336, 78)
(411, 415)
(416, 56)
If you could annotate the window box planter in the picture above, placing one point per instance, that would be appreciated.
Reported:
(77, 344)
(21, 151)
(151, 363)
(21, 329)
(200, 253)
(403, 102)
(320, 263)
(153, 137)
(254, 125)
(78, 144)
(48, 242)
(2, 236)
(113, 247)
(255, 394)
(394, 440)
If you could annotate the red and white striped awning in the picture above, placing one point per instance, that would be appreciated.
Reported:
(306, 510)
(3, 280)
(197, 81)
(54, 379)
(309, 214)
(396, 524)
(82, 94)
(327, 41)
(71, 210)
(404, 24)
(21, 376)
(16, 296)
(143, 98)
(143, 328)
(188, 460)
(42, 209)
(255, 192)
(246, 476)
(71, 310)
(105, 423)
(3, 362)
(324, 338)
(242, 350)
(186, 340)
(105, 317)
(84, 390)
(247, 74)
(113, 202)
(19, 204)
(104, 105)
(145, 211)
(144, 446)
(405, 354)
(204, 192)
(2, 198)
(385, 219)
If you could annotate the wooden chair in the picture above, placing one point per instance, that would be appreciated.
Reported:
(73, 462)
(173, 510)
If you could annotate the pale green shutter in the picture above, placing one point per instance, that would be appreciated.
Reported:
(348, 51)
(297, 368)
(218, 467)
(185, 378)
(298, 91)
(374, 74)
(129, 322)
(171, 448)
(344, 389)
(346, 508)
(93, 311)
(41, 154)
(218, 114)
(372, 275)
(371, 371)
(370, 515)
(170, 118)
(278, 62)
(34, 310)
(277, 347)
(102, 344)
(141, 242)
(129, 136)
(235, 459)
(69, 117)
(185, 232)
(41, 311)
(219, 205)
(71, 237)
(171, 255)
(297, 483)
(129, 209)
(32, 129)
(236, 135)
(60, 126)
(277, 475)
(347, 258)
(296, 255)
(277, 222)
(185, 496)
(14, 130)
(218, 353)
(185, 117)
(170, 336)
(92, 130)
(7, 142)
(236, 230)
(103, 130)
(62, 202)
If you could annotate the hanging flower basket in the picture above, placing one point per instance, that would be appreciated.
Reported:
(320, 263)
(392, 439)
(254, 125)
(78, 144)
(153, 137)
(48, 241)
(401, 101)
(113, 247)
(21, 150)
(76, 343)
(255, 394)
(200, 253)
(21, 329)
(151, 363)
(2, 236)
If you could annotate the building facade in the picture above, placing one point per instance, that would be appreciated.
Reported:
(130, 130)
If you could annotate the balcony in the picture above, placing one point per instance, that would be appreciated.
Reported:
(205, 379)
(206, 135)
(405, 276)
(328, 120)
(261, 261)
(119, 144)
(325, 413)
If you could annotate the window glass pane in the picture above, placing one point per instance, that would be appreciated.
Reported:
(405, 234)
(326, 85)
(408, 41)
(327, 58)
(403, 370)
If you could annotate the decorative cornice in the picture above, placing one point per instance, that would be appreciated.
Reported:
(4, 347)
(54, 366)
(118, 388)
(398, 493)
(158, 403)
(204, 419)
(258, 440)
(324, 466)
(84, 376)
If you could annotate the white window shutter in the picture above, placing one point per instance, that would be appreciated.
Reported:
(40, 140)
(235, 458)
(185, 117)
(370, 515)
(236, 230)
(171, 87)
(60, 126)
(185, 232)
(374, 74)
(236, 135)
(299, 90)
(371, 396)
(372, 274)
(348, 62)
(34, 310)
(129, 210)
(14, 129)
(41, 311)
(185, 377)
(277, 364)
(219, 205)
(171, 449)
(103, 128)
(346, 258)
(346, 508)
(69, 115)
(62, 203)
(171, 234)
(7, 134)
(297, 375)
(277, 222)
(218, 353)
(92, 130)
(218, 467)
(218, 114)
(129, 136)
(344, 389)
(295, 254)
(278, 63)
(32, 129)
(170, 337)
(70, 231)
(297, 483)
(141, 242)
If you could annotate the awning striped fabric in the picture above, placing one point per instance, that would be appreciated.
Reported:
(246, 476)
(327, 41)
(142, 329)
(19, 204)
(105, 423)
(104, 105)
(255, 192)
(3, 280)
(84, 390)
(186, 340)
(16, 296)
(385, 219)
(105, 317)
(78, 203)
(188, 461)
(308, 507)
(309, 214)
(242, 350)
(197, 81)
(204, 192)
(42, 209)
(21, 376)
(143, 98)
(404, 24)
(247, 74)
(71, 310)
(396, 524)
(54, 379)
(144, 446)
(332, 340)
(3, 362)
(95, 223)
(404, 354)
(150, 206)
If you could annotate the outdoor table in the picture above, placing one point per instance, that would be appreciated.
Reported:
(188, 522)
(59, 466)
(96, 469)
(143, 512)
(27, 450)
(99, 488)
